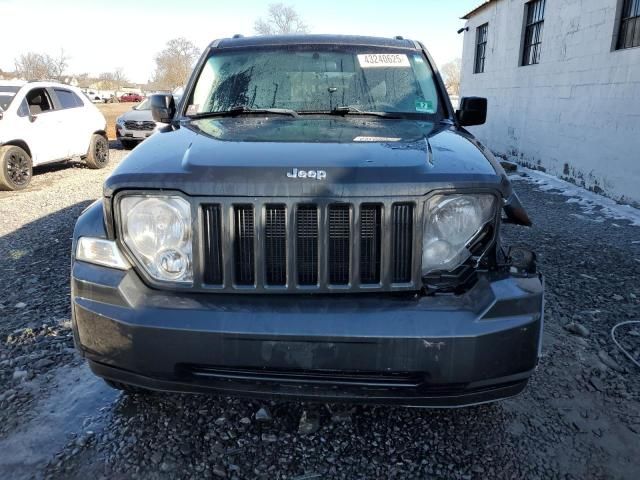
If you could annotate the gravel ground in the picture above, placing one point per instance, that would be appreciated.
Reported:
(579, 417)
(35, 243)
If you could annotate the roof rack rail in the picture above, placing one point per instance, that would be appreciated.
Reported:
(238, 35)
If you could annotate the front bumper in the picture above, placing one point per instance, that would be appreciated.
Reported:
(421, 351)
(133, 135)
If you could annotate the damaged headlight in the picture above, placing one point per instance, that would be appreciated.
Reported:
(452, 222)
(157, 231)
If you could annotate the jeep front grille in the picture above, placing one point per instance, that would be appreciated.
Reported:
(302, 246)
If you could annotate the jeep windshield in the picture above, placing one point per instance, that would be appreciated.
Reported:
(6, 95)
(317, 80)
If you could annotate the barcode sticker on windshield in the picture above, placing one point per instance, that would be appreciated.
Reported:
(373, 60)
(376, 139)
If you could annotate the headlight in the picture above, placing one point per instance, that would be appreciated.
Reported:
(157, 230)
(452, 222)
(120, 121)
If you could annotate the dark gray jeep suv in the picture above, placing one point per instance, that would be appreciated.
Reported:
(314, 222)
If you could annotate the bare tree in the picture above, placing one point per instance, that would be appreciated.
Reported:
(281, 19)
(451, 74)
(58, 65)
(37, 66)
(33, 66)
(106, 81)
(112, 80)
(175, 62)
(119, 78)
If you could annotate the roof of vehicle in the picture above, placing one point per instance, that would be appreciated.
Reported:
(262, 40)
(36, 83)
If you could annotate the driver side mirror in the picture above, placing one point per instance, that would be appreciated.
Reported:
(163, 108)
(473, 111)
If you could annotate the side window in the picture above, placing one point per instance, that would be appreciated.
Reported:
(39, 101)
(533, 32)
(629, 33)
(481, 48)
(67, 98)
(23, 109)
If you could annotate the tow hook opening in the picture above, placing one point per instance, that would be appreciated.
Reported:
(521, 260)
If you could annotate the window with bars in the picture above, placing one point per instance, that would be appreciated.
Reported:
(533, 32)
(629, 33)
(481, 47)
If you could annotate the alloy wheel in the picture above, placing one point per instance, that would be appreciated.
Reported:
(18, 169)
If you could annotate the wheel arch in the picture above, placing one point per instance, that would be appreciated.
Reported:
(19, 143)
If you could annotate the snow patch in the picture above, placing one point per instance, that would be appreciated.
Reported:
(590, 202)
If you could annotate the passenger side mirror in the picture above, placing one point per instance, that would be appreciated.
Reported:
(163, 108)
(473, 111)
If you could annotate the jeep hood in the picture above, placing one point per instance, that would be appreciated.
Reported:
(251, 156)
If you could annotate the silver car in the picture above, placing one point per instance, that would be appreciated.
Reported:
(135, 125)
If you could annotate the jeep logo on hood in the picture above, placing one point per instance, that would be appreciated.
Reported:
(315, 174)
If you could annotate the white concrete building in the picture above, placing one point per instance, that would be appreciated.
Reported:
(562, 78)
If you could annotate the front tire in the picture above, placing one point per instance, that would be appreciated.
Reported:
(16, 168)
(98, 155)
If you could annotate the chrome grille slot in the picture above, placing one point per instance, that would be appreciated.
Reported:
(402, 242)
(307, 244)
(212, 244)
(339, 244)
(370, 236)
(244, 245)
(275, 245)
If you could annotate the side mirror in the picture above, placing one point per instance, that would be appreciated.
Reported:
(163, 108)
(473, 111)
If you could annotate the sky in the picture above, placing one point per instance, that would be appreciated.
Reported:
(100, 36)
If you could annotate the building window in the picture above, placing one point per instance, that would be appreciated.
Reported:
(629, 34)
(533, 32)
(481, 47)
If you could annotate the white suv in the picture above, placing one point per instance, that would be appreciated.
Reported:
(42, 122)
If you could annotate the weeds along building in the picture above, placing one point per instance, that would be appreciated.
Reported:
(562, 78)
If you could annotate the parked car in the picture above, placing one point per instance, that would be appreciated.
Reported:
(131, 97)
(315, 222)
(43, 122)
(134, 126)
(97, 96)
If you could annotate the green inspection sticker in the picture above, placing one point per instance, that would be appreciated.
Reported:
(424, 106)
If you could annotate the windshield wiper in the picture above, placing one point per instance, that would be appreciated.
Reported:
(244, 110)
(351, 110)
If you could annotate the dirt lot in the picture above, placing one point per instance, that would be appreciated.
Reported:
(579, 417)
(111, 111)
